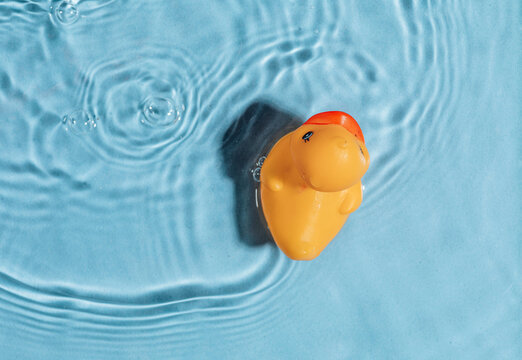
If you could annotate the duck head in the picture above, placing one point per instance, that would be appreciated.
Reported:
(329, 152)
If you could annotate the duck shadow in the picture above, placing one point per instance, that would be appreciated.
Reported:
(246, 141)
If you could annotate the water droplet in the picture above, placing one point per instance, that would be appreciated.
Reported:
(256, 174)
(160, 111)
(66, 12)
(79, 122)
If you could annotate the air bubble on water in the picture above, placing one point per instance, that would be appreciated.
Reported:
(256, 174)
(158, 111)
(79, 122)
(260, 161)
(66, 12)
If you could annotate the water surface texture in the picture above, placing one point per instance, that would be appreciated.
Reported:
(129, 133)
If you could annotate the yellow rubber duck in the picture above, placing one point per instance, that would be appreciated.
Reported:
(311, 182)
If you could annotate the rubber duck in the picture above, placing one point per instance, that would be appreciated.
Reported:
(311, 183)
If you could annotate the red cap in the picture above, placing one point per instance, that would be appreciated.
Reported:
(339, 118)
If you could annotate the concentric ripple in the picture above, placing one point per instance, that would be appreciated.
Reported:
(145, 100)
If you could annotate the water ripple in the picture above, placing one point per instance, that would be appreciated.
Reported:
(422, 112)
(145, 103)
(154, 309)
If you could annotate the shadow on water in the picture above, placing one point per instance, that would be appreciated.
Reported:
(250, 137)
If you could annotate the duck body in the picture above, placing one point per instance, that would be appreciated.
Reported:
(310, 183)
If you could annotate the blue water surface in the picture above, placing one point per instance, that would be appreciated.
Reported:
(124, 232)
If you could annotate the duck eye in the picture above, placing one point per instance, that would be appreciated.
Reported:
(306, 137)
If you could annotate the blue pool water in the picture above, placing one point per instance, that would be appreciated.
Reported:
(128, 130)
